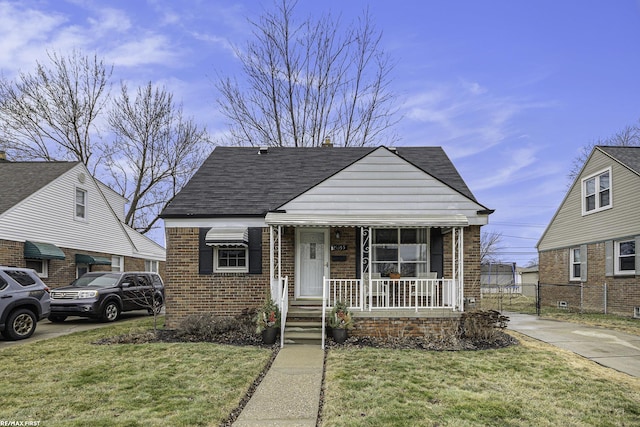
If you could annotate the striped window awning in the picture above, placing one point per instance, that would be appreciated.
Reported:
(38, 250)
(228, 237)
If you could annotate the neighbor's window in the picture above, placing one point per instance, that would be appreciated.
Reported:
(41, 266)
(596, 192)
(233, 260)
(117, 263)
(400, 249)
(625, 257)
(81, 204)
(575, 264)
(151, 265)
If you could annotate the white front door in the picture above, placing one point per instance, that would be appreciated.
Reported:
(312, 261)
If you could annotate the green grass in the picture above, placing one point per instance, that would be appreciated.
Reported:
(69, 381)
(531, 384)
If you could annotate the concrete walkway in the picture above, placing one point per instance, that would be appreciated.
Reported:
(289, 395)
(613, 349)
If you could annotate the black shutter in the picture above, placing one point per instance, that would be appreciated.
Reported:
(205, 253)
(255, 250)
(437, 252)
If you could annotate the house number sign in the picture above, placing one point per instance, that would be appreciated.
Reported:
(338, 247)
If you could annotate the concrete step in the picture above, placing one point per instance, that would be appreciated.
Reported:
(303, 337)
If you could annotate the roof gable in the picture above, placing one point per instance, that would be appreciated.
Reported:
(22, 179)
(569, 226)
(382, 183)
(238, 181)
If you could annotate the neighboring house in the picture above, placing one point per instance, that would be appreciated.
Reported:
(60, 221)
(529, 280)
(591, 242)
(332, 219)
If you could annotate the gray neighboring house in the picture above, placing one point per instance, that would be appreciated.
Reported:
(60, 221)
(294, 222)
(588, 253)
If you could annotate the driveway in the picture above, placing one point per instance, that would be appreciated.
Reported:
(46, 329)
(613, 349)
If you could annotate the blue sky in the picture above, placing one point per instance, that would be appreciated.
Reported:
(510, 89)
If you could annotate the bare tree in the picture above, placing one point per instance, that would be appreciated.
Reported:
(490, 247)
(51, 114)
(307, 81)
(627, 137)
(155, 152)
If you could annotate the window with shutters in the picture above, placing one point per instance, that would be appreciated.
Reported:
(574, 264)
(625, 257)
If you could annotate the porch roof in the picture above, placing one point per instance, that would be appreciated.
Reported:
(360, 220)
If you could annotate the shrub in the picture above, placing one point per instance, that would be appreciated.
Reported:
(482, 325)
(209, 327)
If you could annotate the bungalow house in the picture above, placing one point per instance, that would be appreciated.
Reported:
(60, 221)
(303, 223)
(588, 258)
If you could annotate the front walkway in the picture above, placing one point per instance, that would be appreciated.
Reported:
(613, 349)
(289, 395)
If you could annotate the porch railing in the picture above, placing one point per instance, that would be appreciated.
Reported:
(390, 294)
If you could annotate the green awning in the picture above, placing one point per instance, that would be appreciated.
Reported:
(92, 260)
(37, 250)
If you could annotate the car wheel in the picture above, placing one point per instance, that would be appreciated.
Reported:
(21, 324)
(56, 318)
(157, 305)
(110, 312)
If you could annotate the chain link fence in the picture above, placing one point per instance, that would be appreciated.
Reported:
(534, 298)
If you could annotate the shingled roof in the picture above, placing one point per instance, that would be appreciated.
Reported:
(237, 181)
(628, 156)
(22, 179)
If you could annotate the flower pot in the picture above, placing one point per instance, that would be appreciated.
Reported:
(339, 335)
(269, 335)
(394, 276)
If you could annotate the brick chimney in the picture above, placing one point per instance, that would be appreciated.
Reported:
(3, 156)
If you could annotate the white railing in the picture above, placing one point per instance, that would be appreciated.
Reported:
(324, 308)
(386, 294)
(284, 306)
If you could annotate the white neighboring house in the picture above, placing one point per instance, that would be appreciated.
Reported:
(56, 218)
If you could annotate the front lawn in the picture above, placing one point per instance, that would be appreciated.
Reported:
(530, 384)
(69, 381)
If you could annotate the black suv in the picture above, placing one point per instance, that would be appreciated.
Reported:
(24, 300)
(104, 295)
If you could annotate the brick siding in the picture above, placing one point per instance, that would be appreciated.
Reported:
(188, 292)
(622, 292)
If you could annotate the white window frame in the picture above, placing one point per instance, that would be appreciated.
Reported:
(44, 273)
(84, 205)
(398, 245)
(151, 265)
(596, 177)
(117, 263)
(218, 269)
(573, 262)
(616, 267)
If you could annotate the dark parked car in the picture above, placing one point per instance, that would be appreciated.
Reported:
(24, 300)
(103, 295)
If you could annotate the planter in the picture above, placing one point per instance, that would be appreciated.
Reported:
(394, 276)
(269, 335)
(339, 335)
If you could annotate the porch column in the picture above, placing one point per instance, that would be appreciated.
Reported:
(457, 261)
(275, 264)
(365, 264)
